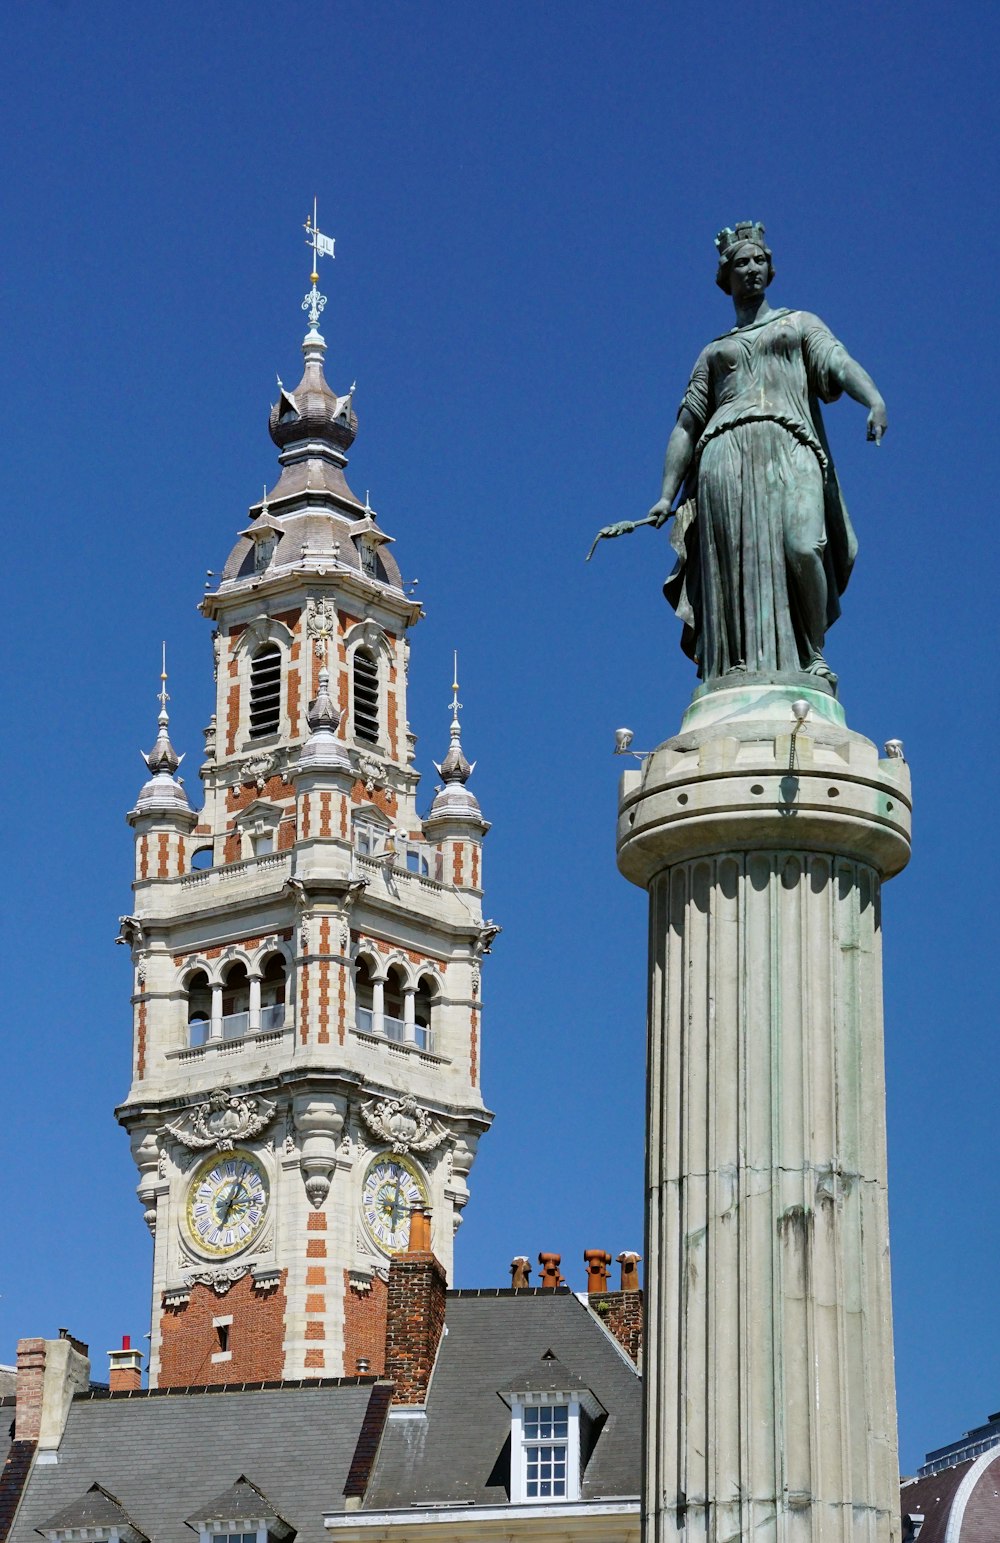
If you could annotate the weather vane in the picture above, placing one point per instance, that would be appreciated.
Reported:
(322, 246)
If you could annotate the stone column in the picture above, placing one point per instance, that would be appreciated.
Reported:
(763, 841)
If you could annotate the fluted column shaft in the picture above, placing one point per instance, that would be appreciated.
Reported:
(770, 1401)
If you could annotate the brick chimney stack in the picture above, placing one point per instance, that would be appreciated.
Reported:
(619, 1311)
(125, 1371)
(415, 1313)
(49, 1372)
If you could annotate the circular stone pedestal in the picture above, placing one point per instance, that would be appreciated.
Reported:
(763, 842)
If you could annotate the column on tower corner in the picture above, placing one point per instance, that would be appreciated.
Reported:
(162, 818)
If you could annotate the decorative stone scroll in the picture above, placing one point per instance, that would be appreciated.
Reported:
(221, 1121)
(403, 1124)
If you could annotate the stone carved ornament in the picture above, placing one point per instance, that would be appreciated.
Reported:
(222, 1120)
(219, 1279)
(257, 769)
(321, 625)
(403, 1124)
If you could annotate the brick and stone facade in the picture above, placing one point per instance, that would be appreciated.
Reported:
(307, 950)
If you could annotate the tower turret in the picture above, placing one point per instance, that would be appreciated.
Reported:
(310, 961)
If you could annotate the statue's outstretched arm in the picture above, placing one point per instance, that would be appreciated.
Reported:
(680, 449)
(858, 384)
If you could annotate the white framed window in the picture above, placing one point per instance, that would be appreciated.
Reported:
(545, 1449)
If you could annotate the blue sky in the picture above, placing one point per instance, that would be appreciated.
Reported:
(524, 199)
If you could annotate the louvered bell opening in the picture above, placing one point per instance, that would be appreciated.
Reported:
(265, 692)
(365, 697)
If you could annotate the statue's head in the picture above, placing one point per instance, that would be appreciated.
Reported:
(731, 242)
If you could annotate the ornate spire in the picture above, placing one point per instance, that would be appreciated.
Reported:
(454, 800)
(163, 791)
(454, 767)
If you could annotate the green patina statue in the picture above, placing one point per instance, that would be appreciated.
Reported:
(763, 541)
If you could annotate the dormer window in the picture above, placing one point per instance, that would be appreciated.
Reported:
(242, 1515)
(368, 553)
(366, 715)
(264, 551)
(265, 691)
(553, 1420)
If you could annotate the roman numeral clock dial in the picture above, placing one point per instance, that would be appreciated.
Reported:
(227, 1203)
(390, 1191)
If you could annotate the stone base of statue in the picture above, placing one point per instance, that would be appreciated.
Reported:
(763, 841)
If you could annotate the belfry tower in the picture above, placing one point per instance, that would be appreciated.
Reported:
(306, 948)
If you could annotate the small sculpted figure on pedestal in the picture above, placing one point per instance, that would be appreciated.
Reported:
(763, 540)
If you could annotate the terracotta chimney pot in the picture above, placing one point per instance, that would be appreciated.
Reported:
(420, 1231)
(520, 1270)
(597, 1262)
(630, 1270)
(551, 1277)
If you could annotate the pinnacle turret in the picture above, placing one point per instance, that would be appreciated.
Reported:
(454, 799)
(163, 793)
(323, 750)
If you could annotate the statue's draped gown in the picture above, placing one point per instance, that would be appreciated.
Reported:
(762, 483)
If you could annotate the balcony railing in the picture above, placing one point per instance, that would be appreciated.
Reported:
(394, 1029)
(237, 1025)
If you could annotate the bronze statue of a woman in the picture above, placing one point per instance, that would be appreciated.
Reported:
(762, 537)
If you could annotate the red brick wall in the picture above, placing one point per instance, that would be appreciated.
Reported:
(188, 1338)
(30, 1377)
(364, 1325)
(621, 1312)
(414, 1323)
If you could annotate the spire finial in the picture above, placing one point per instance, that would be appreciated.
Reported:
(164, 695)
(322, 246)
(456, 705)
(163, 757)
(455, 767)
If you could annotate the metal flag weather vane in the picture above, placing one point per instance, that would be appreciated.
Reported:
(322, 246)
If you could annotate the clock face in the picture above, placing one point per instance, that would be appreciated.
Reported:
(227, 1203)
(389, 1193)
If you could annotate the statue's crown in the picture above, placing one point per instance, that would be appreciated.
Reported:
(746, 230)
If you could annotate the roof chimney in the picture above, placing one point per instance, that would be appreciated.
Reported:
(125, 1373)
(551, 1277)
(414, 1313)
(630, 1270)
(597, 1262)
(520, 1269)
(49, 1372)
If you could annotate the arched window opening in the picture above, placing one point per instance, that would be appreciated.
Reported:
(235, 1002)
(364, 992)
(423, 1013)
(199, 1008)
(201, 859)
(272, 994)
(365, 696)
(395, 1027)
(265, 691)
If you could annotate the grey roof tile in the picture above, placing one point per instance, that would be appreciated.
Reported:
(164, 1454)
(459, 1450)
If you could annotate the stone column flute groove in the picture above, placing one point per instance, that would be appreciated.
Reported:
(769, 1389)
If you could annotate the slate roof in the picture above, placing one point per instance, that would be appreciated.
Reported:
(97, 1508)
(163, 1455)
(460, 1450)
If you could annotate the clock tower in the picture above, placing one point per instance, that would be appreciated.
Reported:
(306, 947)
